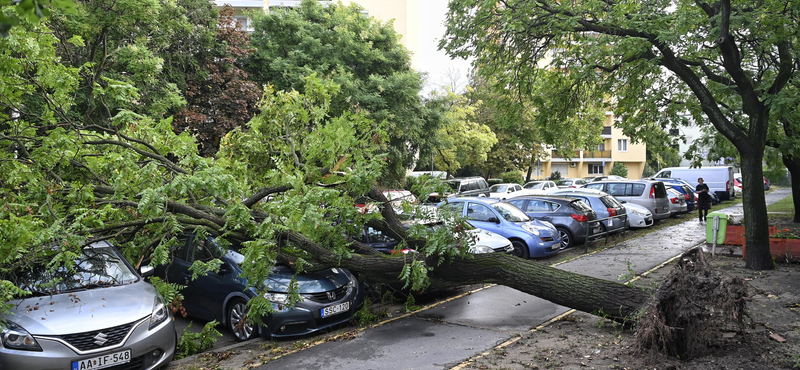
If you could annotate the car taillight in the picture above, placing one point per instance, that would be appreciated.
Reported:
(728, 186)
(612, 212)
(652, 192)
(674, 201)
(580, 218)
(687, 197)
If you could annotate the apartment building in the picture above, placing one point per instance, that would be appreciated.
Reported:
(616, 148)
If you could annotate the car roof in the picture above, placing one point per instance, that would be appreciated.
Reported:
(506, 184)
(478, 199)
(547, 197)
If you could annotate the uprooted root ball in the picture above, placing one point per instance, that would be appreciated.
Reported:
(691, 310)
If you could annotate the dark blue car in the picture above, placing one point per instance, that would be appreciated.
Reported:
(329, 297)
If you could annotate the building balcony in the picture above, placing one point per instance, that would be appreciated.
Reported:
(604, 154)
(576, 154)
(606, 133)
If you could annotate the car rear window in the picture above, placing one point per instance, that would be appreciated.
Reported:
(580, 206)
(611, 202)
(661, 190)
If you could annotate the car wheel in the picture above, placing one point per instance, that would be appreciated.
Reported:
(566, 238)
(239, 325)
(520, 249)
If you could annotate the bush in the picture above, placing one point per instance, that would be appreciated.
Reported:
(513, 177)
(619, 169)
(191, 343)
(555, 175)
(648, 171)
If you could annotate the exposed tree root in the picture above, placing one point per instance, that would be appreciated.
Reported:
(691, 310)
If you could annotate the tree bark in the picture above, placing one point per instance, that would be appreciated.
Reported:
(755, 212)
(588, 294)
(793, 165)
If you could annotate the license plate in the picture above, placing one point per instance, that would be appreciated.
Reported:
(103, 361)
(335, 309)
(610, 222)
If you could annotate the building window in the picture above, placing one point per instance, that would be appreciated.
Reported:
(596, 169)
(674, 132)
(622, 145)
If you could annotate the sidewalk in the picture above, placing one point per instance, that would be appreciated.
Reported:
(451, 332)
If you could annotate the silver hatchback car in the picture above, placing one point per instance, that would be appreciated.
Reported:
(649, 194)
(102, 315)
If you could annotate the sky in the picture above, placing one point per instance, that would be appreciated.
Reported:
(434, 62)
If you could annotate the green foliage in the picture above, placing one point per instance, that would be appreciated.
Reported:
(619, 169)
(460, 141)
(362, 56)
(191, 343)
(555, 175)
(366, 315)
(648, 171)
(515, 177)
(411, 304)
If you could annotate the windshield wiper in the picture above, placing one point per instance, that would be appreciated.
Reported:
(87, 287)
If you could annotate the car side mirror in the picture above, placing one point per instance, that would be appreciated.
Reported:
(147, 270)
(224, 269)
(493, 219)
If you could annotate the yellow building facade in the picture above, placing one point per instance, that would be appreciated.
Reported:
(616, 148)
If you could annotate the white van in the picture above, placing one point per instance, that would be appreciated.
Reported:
(718, 178)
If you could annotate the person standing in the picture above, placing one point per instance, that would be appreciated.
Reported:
(703, 199)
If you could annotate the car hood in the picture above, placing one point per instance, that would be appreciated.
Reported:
(542, 226)
(308, 282)
(489, 239)
(636, 207)
(85, 310)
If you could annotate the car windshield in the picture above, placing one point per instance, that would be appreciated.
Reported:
(564, 182)
(94, 268)
(511, 213)
(498, 188)
(534, 185)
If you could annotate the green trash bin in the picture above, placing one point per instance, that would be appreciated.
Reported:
(723, 225)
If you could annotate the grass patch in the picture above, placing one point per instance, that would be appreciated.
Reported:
(785, 205)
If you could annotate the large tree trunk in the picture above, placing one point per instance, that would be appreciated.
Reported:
(793, 165)
(592, 295)
(755, 212)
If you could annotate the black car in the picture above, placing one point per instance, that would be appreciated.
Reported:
(329, 297)
(569, 215)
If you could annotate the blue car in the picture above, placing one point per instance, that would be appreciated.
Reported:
(529, 237)
(329, 297)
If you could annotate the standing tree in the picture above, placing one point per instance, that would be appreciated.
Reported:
(725, 63)
(461, 141)
(360, 54)
(220, 96)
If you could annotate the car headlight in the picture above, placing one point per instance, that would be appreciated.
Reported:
(15, 337)
(160, 312)
(478, 249)
(531, 229)
(353, 283)
(279, 298)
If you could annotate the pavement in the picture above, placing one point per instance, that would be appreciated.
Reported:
(445, 335)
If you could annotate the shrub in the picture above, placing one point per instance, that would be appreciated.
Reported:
(556, 175)
(191, 343)
(513, 177)
(619, 169)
